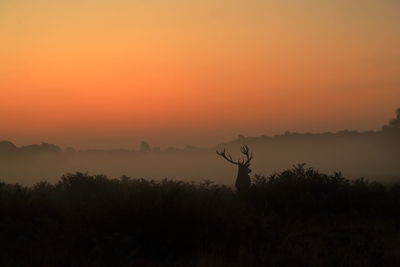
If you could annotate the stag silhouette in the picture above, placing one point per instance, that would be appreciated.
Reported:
(243, 178)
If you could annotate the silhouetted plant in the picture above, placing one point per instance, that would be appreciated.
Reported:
(287, 218)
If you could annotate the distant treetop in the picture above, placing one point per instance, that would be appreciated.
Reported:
(394, 123)
(6, 146)
(144, 147)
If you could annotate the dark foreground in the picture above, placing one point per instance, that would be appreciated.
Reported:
(295, 218)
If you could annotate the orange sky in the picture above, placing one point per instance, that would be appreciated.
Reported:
(106, 74)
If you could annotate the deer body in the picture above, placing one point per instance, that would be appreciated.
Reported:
(243, 181)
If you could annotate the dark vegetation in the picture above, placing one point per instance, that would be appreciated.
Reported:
(388, 132)
(298, 217)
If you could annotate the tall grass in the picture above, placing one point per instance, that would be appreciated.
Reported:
(299, 217)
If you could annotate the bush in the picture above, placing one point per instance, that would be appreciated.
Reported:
(90, 220)
(307, 191)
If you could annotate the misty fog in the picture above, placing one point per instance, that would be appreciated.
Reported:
(372, 155)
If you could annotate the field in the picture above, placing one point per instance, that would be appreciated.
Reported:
(298, 217)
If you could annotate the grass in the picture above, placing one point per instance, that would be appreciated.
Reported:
(298, 217)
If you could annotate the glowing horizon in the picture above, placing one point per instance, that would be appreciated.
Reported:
(111, 73)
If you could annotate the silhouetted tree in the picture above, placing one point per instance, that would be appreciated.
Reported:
(394, 124)
(43, 147)
(144, 147)
(7, 147)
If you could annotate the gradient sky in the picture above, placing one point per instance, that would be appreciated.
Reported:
(110, 73)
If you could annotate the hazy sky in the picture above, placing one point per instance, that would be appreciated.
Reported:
(110, 73)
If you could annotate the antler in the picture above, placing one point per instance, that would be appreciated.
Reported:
(245, 150)
(227, 157)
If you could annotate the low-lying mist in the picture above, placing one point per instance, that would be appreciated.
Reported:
(373, 155)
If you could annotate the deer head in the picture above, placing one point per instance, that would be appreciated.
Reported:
(243, 178)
